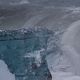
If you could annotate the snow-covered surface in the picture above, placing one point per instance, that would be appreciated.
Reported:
(71, 46)
(65, 76)
(71, 51)
(67, 65)
(4, 72)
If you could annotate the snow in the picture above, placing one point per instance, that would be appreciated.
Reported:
(64, 76)
(70, 47)
(67, 65)
(4, 72)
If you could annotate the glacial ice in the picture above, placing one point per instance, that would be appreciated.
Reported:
(68, 65)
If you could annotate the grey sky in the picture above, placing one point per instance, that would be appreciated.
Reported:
(44, 2)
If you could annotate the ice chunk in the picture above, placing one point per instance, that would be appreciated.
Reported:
(4, 72)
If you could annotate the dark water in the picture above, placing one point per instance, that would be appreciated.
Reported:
(13, 51)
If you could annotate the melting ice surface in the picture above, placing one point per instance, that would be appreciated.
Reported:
(71, 42)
